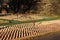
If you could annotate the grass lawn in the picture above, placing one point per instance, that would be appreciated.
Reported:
(11, 22)
(41, 20)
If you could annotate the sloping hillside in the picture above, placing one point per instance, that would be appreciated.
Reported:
(49, 7)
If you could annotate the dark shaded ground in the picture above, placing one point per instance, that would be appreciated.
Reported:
(49, 36)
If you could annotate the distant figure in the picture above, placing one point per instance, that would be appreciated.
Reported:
(34, 23)
(10, 22)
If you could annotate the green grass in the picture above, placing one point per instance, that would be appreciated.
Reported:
(11, 22)
(41, 20)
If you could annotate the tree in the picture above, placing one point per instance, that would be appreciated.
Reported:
(55, 7)
(23, 5)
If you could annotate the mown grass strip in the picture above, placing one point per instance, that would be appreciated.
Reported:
(40, 20)
(12, 22)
